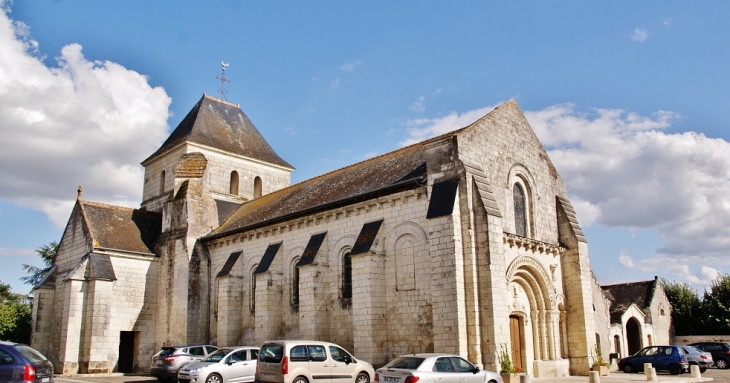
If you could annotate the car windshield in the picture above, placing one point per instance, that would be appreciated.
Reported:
(216, 356)
(405, 362)
(32, 355)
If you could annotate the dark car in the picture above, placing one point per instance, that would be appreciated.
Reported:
(21, 363)
(170, 360)
(720, 352)
(667, 358)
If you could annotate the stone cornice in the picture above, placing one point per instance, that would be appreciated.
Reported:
(531, 244)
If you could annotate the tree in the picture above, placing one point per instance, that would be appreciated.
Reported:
(716, 306)
(47, 252)
(686, 308)
(15, 315)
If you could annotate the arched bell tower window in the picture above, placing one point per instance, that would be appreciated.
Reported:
(162, 182)
(257, 187)
(520, 201)
(234, 183)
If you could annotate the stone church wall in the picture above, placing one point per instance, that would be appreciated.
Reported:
(406, 275)
(152, 179)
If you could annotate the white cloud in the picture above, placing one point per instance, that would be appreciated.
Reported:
(423, 128)
(626, 260)
(622, 170)
(667, 21)
(640, 35)
(349, 67)
(74, 124)
(418, 106)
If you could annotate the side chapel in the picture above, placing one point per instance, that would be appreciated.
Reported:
(464, 243)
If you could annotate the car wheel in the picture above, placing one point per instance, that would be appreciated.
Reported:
(300, 379)
(627, 369)
(675, 369)
(213, 378)
(722, 363)
(362, 378)
(703, 369)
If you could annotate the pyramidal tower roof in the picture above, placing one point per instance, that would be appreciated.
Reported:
(221, 125)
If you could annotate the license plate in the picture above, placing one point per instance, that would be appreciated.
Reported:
(45, 380)
(391, 379)
(268, 376)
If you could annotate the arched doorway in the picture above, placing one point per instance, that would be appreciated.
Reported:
(633, 336)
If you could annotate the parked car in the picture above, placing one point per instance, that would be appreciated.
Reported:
(668, 358)
(698, 357)
(229, 364)
(441, 368)
(720, 352)
(303, 361)
(170, 360)
(22, 363)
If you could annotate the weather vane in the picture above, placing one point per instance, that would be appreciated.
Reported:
(223, 79)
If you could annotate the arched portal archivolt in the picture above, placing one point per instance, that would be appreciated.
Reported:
(540, 304)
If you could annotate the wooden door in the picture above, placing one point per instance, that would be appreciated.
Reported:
(516, 335)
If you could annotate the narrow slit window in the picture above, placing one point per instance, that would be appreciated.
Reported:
(347, 276)
(162, 182)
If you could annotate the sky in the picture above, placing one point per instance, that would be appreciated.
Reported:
(630, 99)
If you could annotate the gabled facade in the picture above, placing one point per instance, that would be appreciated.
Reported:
(640, 316)
(463, 243)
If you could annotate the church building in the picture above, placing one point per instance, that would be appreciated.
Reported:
(464, 243)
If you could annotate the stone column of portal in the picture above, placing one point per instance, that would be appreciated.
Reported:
(543, 333)
(536, 336)
(564, 338)
(555, 332)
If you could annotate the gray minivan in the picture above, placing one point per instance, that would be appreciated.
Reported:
(306, 361)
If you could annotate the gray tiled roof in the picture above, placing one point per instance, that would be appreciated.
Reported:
(122, 228)
(224, 126)
(625, 294)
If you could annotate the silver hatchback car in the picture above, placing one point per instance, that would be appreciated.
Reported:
(442, 368)
(228, 364)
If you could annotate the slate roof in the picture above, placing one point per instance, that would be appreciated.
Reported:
(625, 294)
(384, 173)
(224, 126)
(122, 228)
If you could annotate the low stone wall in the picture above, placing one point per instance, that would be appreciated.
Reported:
(687, 339)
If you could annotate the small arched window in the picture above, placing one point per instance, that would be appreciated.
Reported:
(346, 277)
(162, 182)
(518, 194)
(295, 286)
(234, 183)
(257, 187)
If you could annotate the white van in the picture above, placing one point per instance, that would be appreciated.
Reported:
(309, 361)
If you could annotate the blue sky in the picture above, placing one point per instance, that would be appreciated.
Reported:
(630, 99)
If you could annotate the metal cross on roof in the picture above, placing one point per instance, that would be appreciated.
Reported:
(223, 79)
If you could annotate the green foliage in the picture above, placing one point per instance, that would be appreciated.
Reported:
(505, 361)
(686, 308)
(47, 253)
(599, 356)
(15, 315)
(716, 306)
